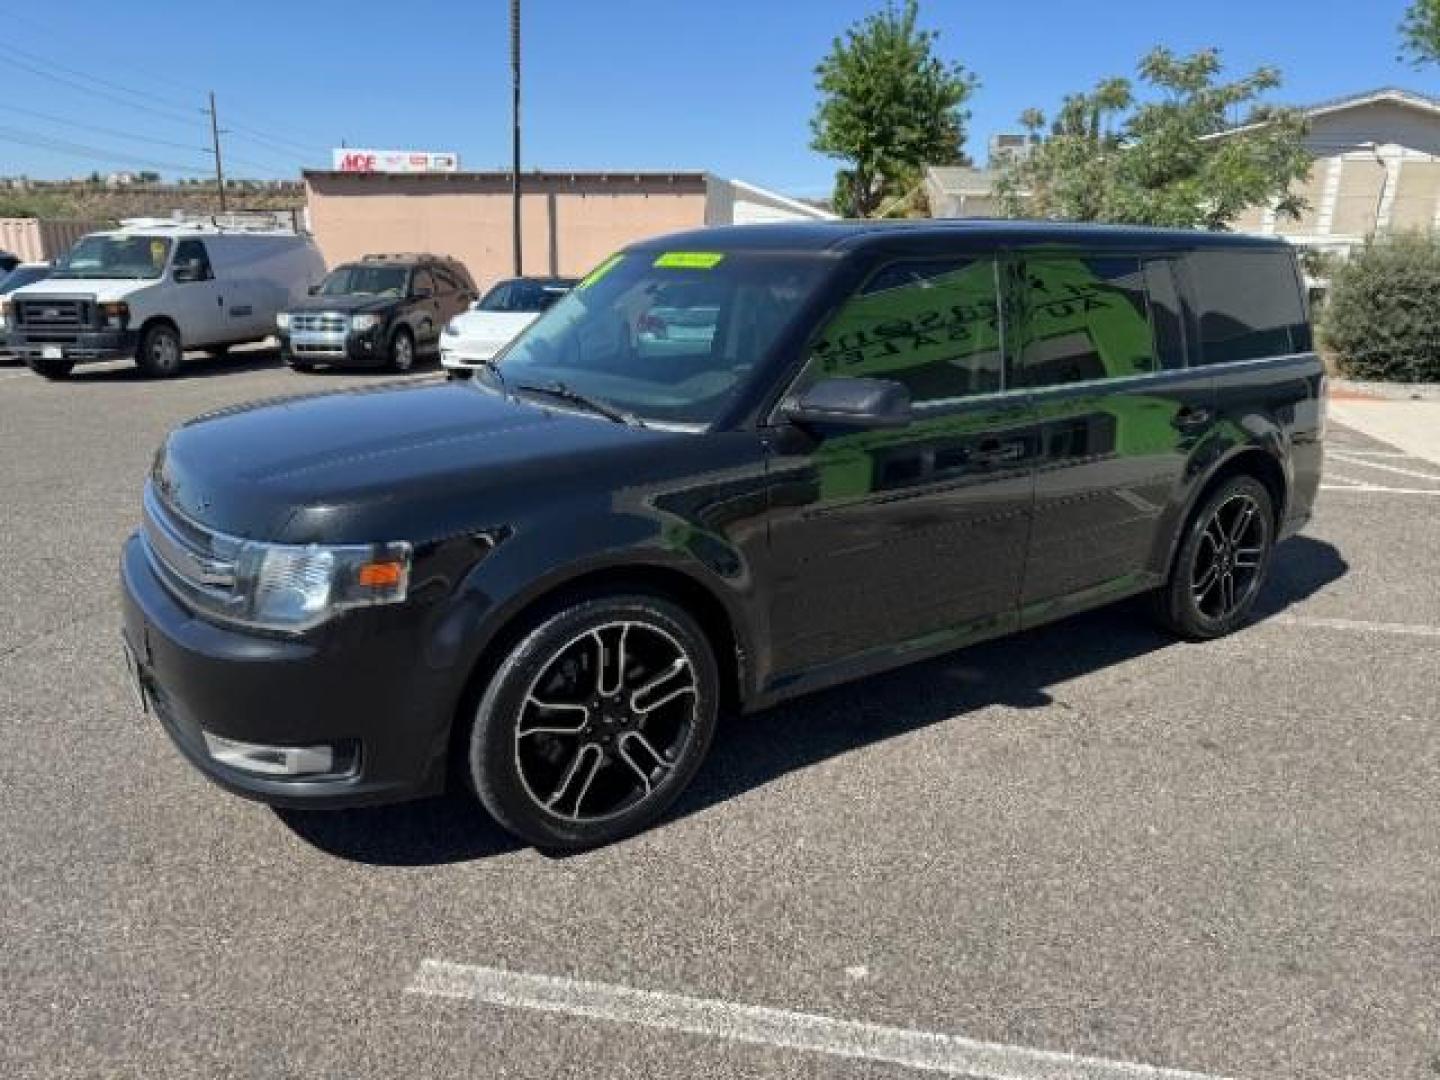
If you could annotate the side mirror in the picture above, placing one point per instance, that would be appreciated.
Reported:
(857, 404)
(190, 270)
(423, 294)
(313, 290)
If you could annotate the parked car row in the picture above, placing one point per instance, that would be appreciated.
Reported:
(151, 290)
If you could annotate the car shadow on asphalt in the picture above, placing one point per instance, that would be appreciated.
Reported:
(194, 367)
(755, 750)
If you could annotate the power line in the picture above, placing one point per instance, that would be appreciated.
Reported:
(96, 129)
(92, 153)
(62, 80)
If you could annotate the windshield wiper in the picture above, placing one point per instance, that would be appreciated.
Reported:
(562, 392)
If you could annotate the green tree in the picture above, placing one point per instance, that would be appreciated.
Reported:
(1111, 156)
(889, 106)
(1420, 32)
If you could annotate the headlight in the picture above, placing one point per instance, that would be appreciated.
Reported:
(282, 320)
(360, 323)
(451, 330)
(287, 587)
(116, 314)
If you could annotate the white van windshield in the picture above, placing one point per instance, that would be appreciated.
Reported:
(115, 257)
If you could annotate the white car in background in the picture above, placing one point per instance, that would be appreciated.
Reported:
(475, 336)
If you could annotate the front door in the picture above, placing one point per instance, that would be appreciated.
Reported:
(893, 542)
(1100, 345)
(200, 298)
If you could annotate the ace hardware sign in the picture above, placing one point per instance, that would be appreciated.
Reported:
(348, 159)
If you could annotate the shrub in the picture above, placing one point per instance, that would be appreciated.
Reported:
(1383, 315)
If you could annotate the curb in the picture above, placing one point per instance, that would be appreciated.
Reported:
(1383, 391)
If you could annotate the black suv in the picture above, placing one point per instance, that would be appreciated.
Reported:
(380, 312)
(729, 467)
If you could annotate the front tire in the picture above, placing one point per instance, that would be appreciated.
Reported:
(595, 721)
(1222, 562)
(402, 352)
(54, 370)
(160, 352)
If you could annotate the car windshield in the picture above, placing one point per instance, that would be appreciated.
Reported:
(22, 275)
(116, 257)
(668, 337)
(362, 280)
(526, 297)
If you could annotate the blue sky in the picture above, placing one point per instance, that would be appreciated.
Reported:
(726, 85)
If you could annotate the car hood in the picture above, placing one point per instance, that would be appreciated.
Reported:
(378, 464)
(102, 289)
(492, 326)
(347, 304)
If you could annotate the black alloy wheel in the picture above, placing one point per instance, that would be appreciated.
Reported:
(595, 722)
(1221, 566)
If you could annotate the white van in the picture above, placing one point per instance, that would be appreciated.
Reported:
(151, 290)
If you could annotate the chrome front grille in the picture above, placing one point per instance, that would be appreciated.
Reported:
(199, 565)
(55, 313)
(318, 323)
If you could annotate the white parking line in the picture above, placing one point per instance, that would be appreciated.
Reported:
(1408, 629)
(1387, 468)
(777, 1028)
(1376, 489)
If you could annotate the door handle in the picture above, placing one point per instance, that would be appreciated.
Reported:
(995, 452)
(1191, 417)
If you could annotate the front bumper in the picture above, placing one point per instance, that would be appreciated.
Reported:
(351, 682)
(79, 346)
(366, 348)
(469, 355)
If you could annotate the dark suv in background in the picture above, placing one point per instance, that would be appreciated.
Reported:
(383, 311)
(729, 467)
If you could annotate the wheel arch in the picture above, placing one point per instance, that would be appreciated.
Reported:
(723, 629)
(1249, 460)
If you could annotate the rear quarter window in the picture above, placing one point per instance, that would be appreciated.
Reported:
(1249, 305)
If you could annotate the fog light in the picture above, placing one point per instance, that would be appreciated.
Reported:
(271, 760)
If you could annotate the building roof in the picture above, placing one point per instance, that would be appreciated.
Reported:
(852, 235)
(962, 179)
(1393, 94)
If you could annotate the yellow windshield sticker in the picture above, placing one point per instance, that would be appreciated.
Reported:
(688, 260)
(158, 250)
(600, 271)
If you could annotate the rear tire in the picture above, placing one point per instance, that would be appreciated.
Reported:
(595, 721)
(1220, 568)
(160, 352)
(54, 370)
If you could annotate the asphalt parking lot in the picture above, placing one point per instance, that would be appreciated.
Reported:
(1088, 840)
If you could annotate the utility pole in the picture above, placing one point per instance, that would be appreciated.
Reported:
(515, 130)
(219, 165)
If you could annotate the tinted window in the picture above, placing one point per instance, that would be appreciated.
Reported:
(1082, 319)
(933, 325)
(1167, 317)
(1249, 303)
(193, 251)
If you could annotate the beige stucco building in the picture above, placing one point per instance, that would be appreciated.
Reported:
(1377, 170)
(569, 220)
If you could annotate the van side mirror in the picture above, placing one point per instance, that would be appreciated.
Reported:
(313, 290)
(189, 270)
(856, 404)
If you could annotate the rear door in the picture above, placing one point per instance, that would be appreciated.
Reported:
(1100, 345)
(427, 320)
(911, 539)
